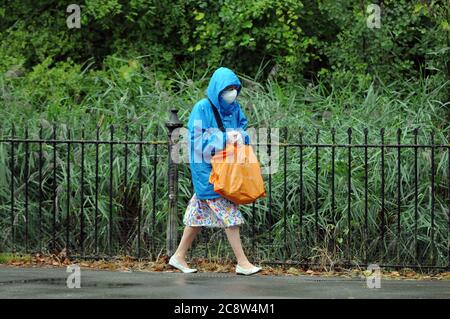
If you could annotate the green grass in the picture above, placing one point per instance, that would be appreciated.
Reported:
(9, 257)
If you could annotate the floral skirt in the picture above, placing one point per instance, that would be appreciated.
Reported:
(217, 212)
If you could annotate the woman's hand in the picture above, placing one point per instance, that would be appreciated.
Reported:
(235, 137)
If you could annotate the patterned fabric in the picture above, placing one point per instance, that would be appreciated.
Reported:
(216, 212)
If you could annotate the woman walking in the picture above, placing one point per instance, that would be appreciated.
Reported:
(207, 208)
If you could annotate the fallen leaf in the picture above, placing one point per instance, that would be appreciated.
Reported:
(293, 271)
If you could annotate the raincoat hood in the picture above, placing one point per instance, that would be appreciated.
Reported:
(220, 79)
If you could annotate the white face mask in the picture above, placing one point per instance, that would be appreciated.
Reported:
(229, 96)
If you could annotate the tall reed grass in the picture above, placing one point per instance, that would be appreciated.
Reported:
(143, 100)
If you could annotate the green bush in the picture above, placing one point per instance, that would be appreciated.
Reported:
(289, 40)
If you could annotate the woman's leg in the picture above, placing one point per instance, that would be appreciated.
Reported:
(189, 235)
(235, 242)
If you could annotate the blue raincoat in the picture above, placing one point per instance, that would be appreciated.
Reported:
(204, 137)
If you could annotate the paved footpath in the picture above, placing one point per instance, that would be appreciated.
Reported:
(51, 283)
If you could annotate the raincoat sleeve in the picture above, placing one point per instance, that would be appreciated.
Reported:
(243, 122)
(204, 140)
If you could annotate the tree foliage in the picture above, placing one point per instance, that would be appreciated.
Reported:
(283, 38)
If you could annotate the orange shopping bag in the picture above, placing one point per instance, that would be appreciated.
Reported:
(236, 174)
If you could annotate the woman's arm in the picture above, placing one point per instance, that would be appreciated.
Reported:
(205, 140)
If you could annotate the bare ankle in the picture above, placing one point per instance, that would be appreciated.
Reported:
(180, 257)
(244, 263)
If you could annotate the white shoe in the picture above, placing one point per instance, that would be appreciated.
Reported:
(247, 272)
(174, 263)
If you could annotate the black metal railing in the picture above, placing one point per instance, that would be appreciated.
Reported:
(343, 203)
(54, 162)
(419, 259)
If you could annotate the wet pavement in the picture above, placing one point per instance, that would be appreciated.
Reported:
(52, 283)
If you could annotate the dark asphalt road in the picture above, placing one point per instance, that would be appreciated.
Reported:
(51, 283)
